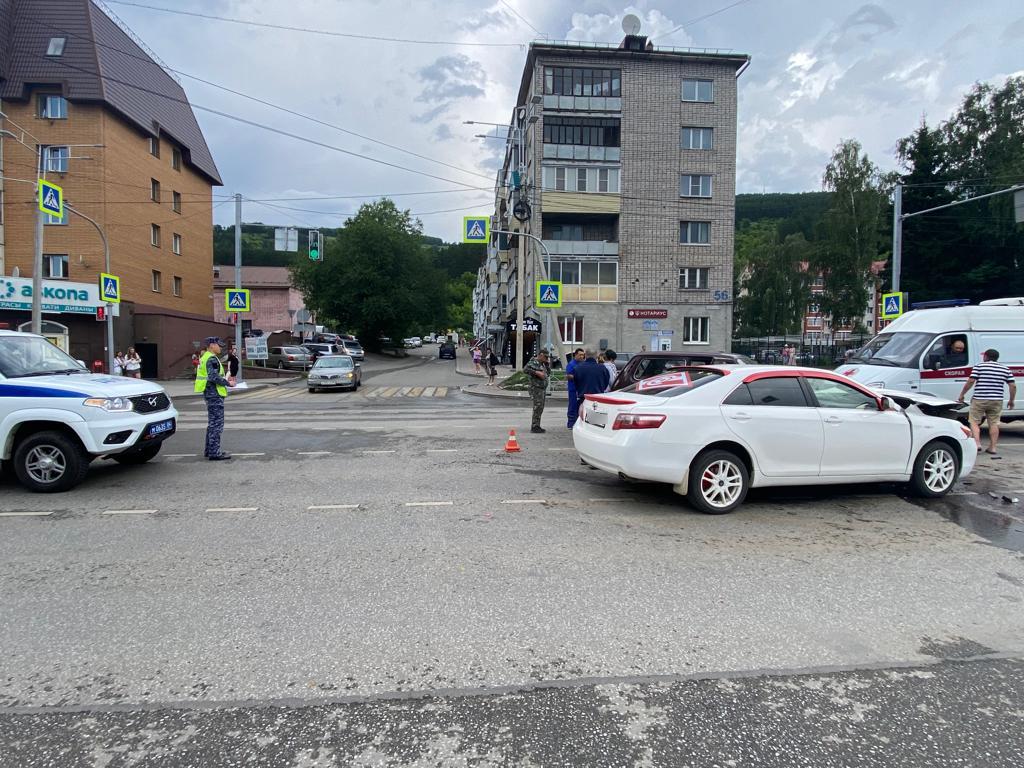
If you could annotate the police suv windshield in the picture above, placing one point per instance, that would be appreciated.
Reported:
(33, 356)
(897, 350)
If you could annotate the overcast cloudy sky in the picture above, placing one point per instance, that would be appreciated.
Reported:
(821, 72)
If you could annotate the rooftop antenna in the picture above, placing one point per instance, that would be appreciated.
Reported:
(630, 24)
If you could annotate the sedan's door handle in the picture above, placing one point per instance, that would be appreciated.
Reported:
(739, 416)
(833, 420)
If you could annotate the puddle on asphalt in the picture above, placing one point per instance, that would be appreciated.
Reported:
(1001, 529)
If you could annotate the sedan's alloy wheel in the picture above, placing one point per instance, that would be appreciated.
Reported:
(721, 483)
(939, 470)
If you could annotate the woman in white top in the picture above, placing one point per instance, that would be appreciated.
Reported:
(133, 364)
(119, 363)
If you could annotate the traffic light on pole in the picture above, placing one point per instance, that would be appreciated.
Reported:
(315, 243)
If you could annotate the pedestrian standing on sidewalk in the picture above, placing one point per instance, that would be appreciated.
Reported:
(476, 359)
(988, 380)
(211, 383)
(133, 364)
(119, 363)
(492, 367)
(609, 363)
(573, 409)
(537, 372)
(233, 362)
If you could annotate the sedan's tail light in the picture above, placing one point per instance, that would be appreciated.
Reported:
(638, 421)
(966, 431)
(291, 357)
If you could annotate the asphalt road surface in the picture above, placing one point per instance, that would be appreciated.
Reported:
(373, 582)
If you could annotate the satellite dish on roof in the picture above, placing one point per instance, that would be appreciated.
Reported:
(630, 24)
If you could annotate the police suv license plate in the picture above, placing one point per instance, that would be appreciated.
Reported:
(160, 427)
(597, 418)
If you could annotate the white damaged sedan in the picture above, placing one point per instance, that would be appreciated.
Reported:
(715, 432)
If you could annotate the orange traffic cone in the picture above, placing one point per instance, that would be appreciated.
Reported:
(512, 444)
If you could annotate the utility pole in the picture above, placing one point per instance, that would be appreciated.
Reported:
(106, 268)
(898, 217)
(238, 278)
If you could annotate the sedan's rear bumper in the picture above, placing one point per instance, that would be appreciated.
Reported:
(628, 453)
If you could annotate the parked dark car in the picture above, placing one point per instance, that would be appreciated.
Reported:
(446, 351)
(644, 365)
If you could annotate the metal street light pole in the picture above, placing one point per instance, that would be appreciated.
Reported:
(238, 278)
(106, 268)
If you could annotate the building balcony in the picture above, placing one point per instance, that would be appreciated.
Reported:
(580, 202)
(577, 152)
(581, 248)
(583, 103)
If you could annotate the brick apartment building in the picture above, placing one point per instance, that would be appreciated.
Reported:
(90, 109)
(275, 302)
(629, 168)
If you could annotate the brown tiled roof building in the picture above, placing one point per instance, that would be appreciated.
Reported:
(89, 108)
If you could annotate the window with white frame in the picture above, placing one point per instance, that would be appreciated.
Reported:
(53, 107)
(56, 46)
(587, 280)
(177, 286)
(694, 278)
(154, 190)
(814, 322)
(695, 232)
(176, 202)
(154, 235)
(176, 243)
(176, 159)
(154, 146)
(156, 281)
(571, 328)
(698, 90)
(55, 266)
(697, 138)
(696, 330)
(695, 185)
(561, 178)
(55, 159)
(814, 308)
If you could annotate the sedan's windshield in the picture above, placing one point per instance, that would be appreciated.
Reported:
(334, 362)
(33, 356)
(900, 350)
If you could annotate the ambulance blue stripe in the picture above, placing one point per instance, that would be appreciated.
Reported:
(22, 390)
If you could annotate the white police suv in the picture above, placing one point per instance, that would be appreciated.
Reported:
(56, 417)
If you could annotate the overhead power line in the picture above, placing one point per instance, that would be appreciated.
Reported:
(252, 123)
(522, 19)
(311, 31)
(306, 117)
(698, 18)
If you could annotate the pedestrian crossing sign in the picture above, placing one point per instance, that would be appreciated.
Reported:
(110, 288)
(237, 300)
(893, 305)
(549, 294)
(51, 199)
(476, 229)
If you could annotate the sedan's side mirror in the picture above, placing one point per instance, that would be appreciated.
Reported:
(885, 404)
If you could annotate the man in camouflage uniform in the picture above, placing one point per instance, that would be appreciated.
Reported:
(538, 371)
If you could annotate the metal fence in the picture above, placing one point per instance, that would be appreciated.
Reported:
(808, 351)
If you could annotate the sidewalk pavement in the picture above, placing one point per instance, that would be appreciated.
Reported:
(464, 365)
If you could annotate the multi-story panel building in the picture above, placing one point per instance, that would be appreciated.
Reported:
(627, 158)
(87, 107)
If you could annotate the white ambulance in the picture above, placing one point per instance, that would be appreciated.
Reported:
(920, 351)
(56, 417)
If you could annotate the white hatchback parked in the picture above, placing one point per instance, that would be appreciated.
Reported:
(56, 417)
(715, 432)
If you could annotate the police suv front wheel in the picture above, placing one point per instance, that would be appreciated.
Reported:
(50, 462)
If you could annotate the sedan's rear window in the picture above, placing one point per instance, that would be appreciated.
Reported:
(675, 383)
(295, 351)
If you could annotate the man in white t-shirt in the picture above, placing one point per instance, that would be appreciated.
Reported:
(988, 380)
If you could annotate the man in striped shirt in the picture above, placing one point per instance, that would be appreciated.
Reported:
(988, 380)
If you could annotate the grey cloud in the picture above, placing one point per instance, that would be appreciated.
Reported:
(431, 114)
(497, 19)
(443, 132)
(862, 26)
(1014, 31)
(452, 77)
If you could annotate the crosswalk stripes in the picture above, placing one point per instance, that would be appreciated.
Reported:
(279, 393)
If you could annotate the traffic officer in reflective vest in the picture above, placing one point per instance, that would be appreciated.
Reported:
(211, 382)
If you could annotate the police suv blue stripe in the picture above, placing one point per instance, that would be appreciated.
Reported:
(23, 390)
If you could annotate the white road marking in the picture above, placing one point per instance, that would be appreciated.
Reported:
(442, 450)
(963, 493)
(429, 503)
(314, 453)
(561, 449)
(130, 512)
(233, 509)
(245, 455)
(25, 514)
(602, 500)
(316, 507)
(380, 451)
(524, 501)
(180, 455)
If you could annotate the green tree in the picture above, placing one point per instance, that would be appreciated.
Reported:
(460, 302)
(852, 232)
(771, 279)
(377, 277)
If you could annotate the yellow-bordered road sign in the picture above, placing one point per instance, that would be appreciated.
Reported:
(893, 305)
(110, 288)
(548, 295)
(476, 229)
(51, 198)
(237, 300)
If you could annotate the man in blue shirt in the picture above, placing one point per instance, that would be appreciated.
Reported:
(590, 376)
(573, 411)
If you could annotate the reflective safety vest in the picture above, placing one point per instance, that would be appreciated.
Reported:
(201, 378)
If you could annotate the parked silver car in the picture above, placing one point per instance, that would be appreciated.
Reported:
(334, 371)
(292, 358)
(352, 348)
